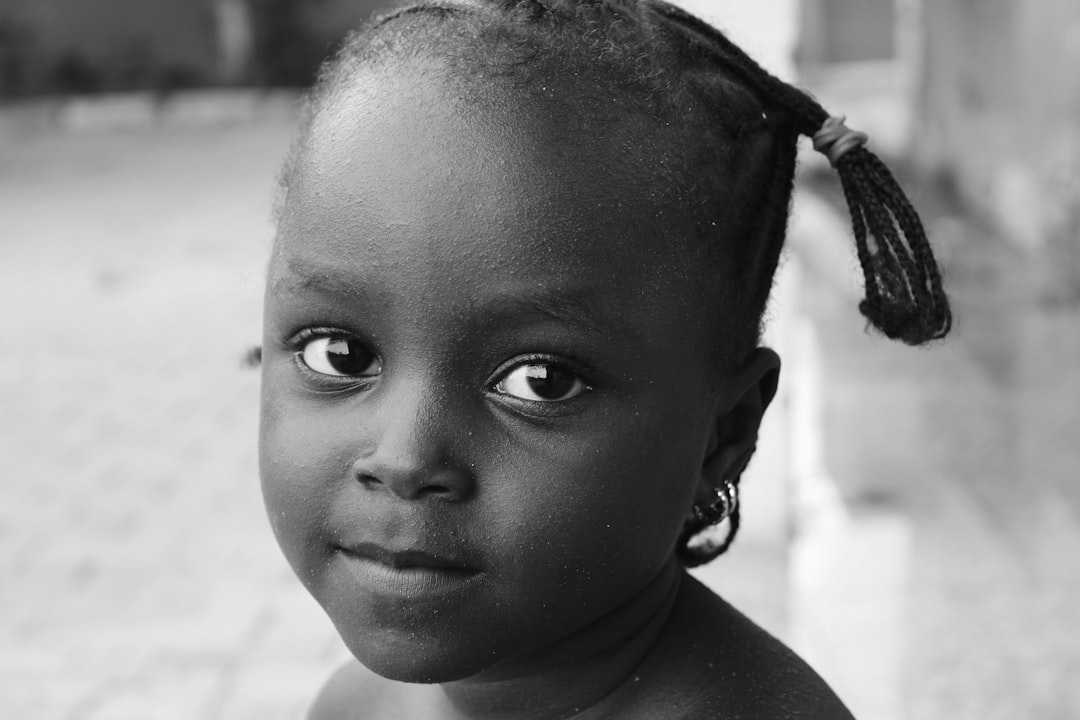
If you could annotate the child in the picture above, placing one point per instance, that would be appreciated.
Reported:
(511, 367)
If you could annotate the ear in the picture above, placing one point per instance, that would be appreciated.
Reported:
(740, 407)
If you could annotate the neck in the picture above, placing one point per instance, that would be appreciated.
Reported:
(578, 672)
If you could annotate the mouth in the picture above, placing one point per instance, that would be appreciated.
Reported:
(406, 573)
(405, 559)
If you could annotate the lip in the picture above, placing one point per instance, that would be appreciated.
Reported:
(405, 559)
(406, 573)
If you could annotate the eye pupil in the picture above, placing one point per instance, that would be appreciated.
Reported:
(347, 356)
(550, 382)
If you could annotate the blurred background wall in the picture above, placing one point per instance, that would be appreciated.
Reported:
(89, 46)
(999, 117)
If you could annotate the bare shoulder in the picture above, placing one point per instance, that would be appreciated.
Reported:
(355, 693)
(727, 666)
(352, 693)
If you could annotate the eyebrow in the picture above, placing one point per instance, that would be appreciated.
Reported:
(576, 306)
(323, 279)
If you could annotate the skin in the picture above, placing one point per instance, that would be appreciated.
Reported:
(456, 248)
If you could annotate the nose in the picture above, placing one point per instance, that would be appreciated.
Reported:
(412, 445)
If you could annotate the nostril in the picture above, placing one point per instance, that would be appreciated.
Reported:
(411, 482)
(368, 480)
(435, 490)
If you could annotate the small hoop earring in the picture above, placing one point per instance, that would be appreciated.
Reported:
(720, 509)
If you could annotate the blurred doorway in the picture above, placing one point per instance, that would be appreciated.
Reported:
(862, 58)
(846, 31)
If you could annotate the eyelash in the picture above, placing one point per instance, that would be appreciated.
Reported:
(545, 407)
(298, 343)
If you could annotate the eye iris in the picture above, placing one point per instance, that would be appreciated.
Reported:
(347, 356)
(549, 382)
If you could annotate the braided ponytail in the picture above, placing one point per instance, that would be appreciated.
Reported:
(904, 296)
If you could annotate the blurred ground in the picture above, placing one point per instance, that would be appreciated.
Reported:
(140, 579)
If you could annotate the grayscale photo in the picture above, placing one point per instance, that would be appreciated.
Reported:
(539, 360)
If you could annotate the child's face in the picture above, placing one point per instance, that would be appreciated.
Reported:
(486, 361)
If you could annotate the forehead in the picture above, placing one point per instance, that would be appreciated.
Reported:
(415, 175)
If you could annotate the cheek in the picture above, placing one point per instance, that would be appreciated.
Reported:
(298, 482)
(602, 508)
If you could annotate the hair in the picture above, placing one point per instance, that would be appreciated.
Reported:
(730, 125)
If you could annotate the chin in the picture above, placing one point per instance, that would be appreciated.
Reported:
(418, 658)
(415, 640)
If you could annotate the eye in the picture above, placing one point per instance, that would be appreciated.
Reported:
(541, 382)
(339, 356)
